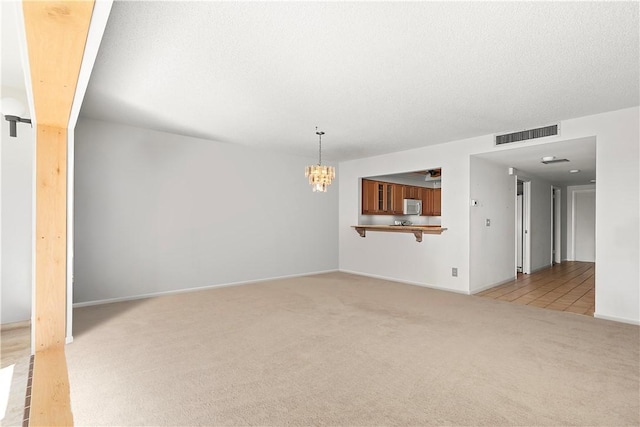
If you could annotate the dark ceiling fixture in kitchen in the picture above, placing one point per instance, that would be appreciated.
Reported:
(320, 176)
(431, 174)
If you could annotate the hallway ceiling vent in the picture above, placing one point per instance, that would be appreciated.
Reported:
(524, 135)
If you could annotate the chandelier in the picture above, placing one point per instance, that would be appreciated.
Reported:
(320, 177)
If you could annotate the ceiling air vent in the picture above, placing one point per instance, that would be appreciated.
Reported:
(527, 134)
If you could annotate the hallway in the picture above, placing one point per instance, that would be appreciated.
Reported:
(569, 286)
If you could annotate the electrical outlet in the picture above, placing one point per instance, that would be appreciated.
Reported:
(454, 272)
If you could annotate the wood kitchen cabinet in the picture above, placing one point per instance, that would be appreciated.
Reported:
(437, 202)
(369, 197)
(411, 192)
(427, 201)
(397, 204)
(381, 198)
(385, 198)
(431, 201)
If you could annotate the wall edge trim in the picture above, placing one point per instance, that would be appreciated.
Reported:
(617, 319)
(200, 288)
(406, 282)
(493, 285)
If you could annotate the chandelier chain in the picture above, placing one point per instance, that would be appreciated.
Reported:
(320, 150)
(319, 145)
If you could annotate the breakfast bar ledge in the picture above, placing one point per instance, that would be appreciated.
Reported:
(417, 230)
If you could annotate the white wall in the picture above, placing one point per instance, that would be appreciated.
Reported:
(157, 212)
(16, 167)
(540, 224)
(396, 256)
(617, 210)
(492, 258)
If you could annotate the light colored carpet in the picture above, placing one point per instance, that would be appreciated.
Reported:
(340, 349)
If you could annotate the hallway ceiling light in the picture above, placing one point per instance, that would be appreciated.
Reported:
(552, 159)
(574, 171)
(320, 177)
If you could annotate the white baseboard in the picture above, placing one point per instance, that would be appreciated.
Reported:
(406, 282)
(616, 319)
(544, 267)
(202, 288)
(484, 288)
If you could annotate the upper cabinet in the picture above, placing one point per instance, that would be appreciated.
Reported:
(381, 198)
(369, 200)
(397, 199)
(437, 202)
(431, 201)
(412, 192)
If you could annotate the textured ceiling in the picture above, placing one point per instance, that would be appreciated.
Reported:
(580, 152)
(11, 68)
(376, 77)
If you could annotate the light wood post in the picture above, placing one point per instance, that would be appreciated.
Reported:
(56, 36)
(51, 236)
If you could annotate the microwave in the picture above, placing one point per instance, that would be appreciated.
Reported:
(412, 207)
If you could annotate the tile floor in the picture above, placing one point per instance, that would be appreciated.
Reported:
(569, 286)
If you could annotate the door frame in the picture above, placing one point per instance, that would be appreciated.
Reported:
(526, 225)
(556, 225)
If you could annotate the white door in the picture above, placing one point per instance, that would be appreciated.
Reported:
(584, 210)
(523, 223)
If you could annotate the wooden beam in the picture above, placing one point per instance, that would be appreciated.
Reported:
(50, 404)
(56, 35)
(51, 237)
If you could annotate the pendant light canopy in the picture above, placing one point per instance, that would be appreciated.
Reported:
(320, 176)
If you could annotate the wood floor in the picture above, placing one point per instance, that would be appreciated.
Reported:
(569, 286)
(16, 350)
